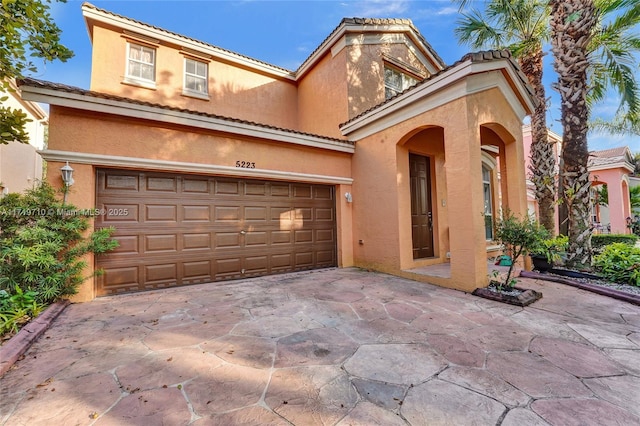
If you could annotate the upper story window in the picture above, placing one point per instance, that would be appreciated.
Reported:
(396, 81)
(141, 64)
(195, 78)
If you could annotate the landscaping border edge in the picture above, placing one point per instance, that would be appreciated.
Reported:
(12, 350)
(583, 286)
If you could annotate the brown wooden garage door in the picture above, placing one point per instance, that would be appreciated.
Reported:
(187, 229)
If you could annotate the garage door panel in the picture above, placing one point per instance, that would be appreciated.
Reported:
(161, 212)
(162, 184)
(258, 213)
(193, 213)
(183, 229)
(116, 280)
(122, 182)
(255, 188)
(324, 236)
(324, 215)
(161, 243)
(280, 190)
(304, 259)
(227, 239)
(256, 239)
(223, 187)
(322, 193)
(118, 212)
(201, 241)
(302, 191)
(195, 186)
(196, 270)
(127, 245)
(164, 272)
(224, 213)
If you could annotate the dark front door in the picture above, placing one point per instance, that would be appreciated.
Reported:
(421, 213)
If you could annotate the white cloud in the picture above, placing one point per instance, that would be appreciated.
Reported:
(378, 8)
(447, 11)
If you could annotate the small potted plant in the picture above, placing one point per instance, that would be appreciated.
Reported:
(519, 236)
(549, 252)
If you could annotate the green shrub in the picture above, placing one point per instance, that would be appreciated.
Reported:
(42, 244)
(17, 310)
(519, 236)
(600, 241)
(620, 263)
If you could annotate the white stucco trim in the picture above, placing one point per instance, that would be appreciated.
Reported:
(100, 160)
(164, 115)
(617, 165)
(462, 80)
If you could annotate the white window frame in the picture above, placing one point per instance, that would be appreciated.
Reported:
(136, 79)
(390, 90)
(488, 203)
(205, 78)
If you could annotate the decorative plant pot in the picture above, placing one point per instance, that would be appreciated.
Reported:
(523, 297)
(540, 263)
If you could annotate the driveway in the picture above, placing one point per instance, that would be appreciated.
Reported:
(335, 346)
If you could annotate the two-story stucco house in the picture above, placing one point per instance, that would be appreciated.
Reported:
(212, 165)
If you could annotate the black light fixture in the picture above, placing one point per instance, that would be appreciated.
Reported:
(629, 221)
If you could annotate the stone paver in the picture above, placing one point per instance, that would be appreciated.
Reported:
(331, 347)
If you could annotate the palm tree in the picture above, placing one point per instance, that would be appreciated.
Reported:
(522, 27)
(613, 62)
(572, 28)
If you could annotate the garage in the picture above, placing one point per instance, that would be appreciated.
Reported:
(180, 229)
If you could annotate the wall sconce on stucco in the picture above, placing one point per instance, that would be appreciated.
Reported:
(348, 197)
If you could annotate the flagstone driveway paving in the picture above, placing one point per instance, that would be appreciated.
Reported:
(331, 347)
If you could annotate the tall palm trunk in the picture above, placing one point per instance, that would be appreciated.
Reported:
(572, 23)
(543, 161)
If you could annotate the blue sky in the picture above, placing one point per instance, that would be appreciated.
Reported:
(284, 33)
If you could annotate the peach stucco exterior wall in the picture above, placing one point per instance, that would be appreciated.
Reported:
(101, 134)
(322, 97)
(76, 131)
(82, 194)
(365, 72)
(234, 92)
(619, 202)
(382, 199)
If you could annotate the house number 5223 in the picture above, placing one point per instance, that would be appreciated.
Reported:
(246, 164)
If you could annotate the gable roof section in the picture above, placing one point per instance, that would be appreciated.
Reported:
(619, 157)
(74, 97)
(470, 64)
(347, 25)
(374, 25)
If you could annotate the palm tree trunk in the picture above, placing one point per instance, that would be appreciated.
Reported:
(572, 23)
(543, 163)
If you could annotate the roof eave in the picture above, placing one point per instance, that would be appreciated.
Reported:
(91, 12)
(439, 83)
(191, 119)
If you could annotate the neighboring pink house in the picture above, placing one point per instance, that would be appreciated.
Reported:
(611, 167)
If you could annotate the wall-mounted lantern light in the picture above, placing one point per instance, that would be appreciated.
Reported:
(67, 178)
(67, 174)
(348, 196)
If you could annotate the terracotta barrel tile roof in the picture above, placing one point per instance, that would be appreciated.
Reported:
(32, 82)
